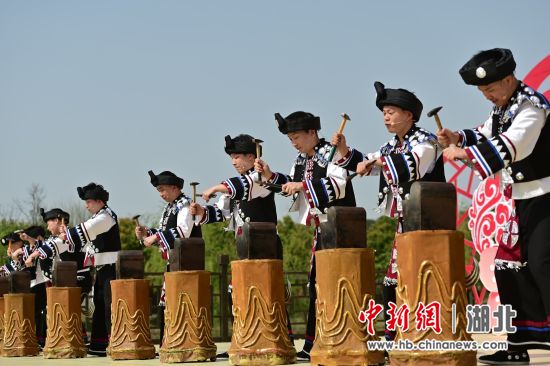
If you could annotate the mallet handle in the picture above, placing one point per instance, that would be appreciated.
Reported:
(438, 122)
(194, 197)
(340, 130)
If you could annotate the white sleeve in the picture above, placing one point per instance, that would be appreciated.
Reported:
(97, 225)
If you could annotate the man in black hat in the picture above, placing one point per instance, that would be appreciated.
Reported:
(411, 155)
(514, 143)
(99, 239)
(243, 199)
(175, 222)
(315, 185)
(14, 242)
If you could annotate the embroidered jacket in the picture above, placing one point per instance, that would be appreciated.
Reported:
(515, 141)
(176, 222)
(97, 236)
(246, 201)
(417, 158)
(324, 183)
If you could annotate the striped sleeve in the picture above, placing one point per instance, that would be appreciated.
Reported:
(350, 161)
(246, 187)
(409, 166)
(474, 136)
(218, 212)
(320, 192)
(513, 145)
(182, 230)
(87, 231)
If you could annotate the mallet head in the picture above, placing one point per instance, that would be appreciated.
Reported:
(258, 147)
(434, 111)
(345, 116)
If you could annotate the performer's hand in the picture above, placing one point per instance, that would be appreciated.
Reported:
(30, 261)
(209, 193)
(196, 209)
(292, 187)
(26, 237)
(141, 232)
(365, 167)
(150, 240)
(339, 140)
(263, 168)
(63, 231)
(447, 137)
(63, 235)
(16, 254)
(455, 153)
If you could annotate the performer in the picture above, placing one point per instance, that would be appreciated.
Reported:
(14, 242)
(40, 276)
(315, 184)
(243, 198)
(99, 239)
(56, 249)
(175, 222)
(515, 143)
(411, 155)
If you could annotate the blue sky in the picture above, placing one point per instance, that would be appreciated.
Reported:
(105, 90)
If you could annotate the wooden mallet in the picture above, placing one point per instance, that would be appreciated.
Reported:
(434, 113)
(345, 118)
(258, 152)
(194, 196)
(258, 147)
(136, 219)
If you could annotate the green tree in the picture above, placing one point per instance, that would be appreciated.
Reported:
(297, 240)
(380, 235)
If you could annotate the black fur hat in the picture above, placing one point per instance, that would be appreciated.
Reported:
(35, 231)
(401, 98)
(488, 66)
(166, 178)
(55, 213)
(241, 144)
(93, 191)
(10, 237)
(298, 121)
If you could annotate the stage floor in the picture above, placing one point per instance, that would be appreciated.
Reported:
(538, 357)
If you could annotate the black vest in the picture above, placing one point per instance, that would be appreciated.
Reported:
(536, 165)
(108, 241)
(260, 209)
(436, 175)
(172, 223)
(320, 166)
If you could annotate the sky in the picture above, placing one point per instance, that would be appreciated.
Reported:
(104, 91)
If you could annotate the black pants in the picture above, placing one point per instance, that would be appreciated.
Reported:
(528, 289)
(84, 281)
(39, 292)
(101, 321)
(388, 293)
(311, 312)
